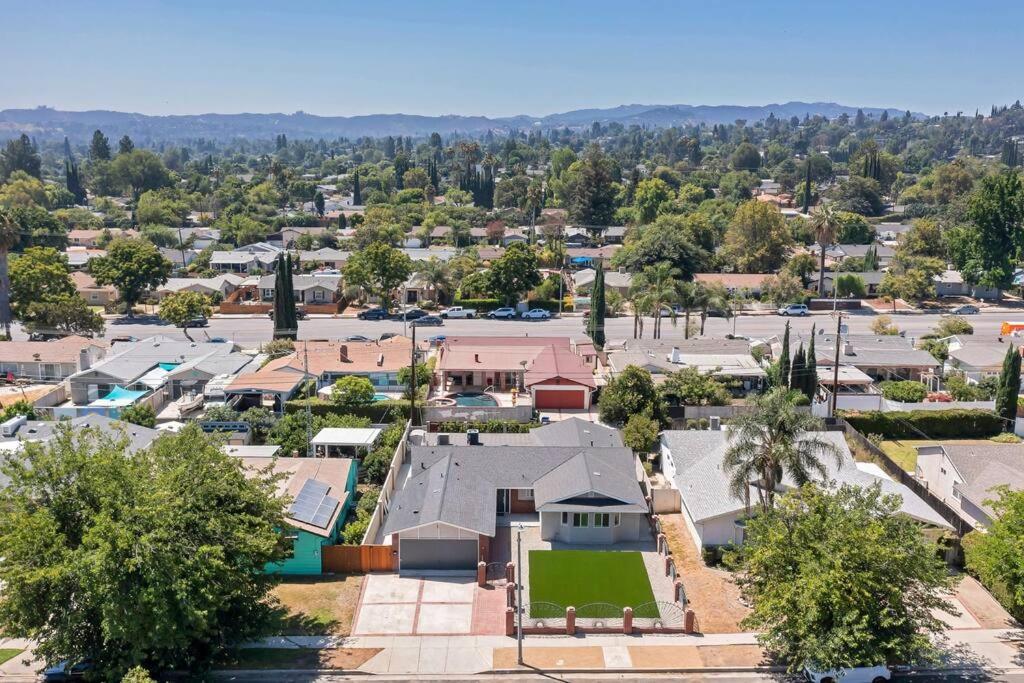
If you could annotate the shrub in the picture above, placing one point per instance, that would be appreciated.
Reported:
(1005, 438)
(354, 531)
(378, 412)
(481, 305)
(931, 424)
(489, 427)
(905, 392)
(141, 414)
(883, 325)
(954, 324)
(640, 433)
(961, 390)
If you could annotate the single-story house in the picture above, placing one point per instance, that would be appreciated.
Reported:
(94, 294)
(309, 289)
(585, 257)
(92, 237)
(217, 287)
(322, 491)
(891, 232)
(951, 283)
(328, 361)
(871, 279)
(550, 368)
(179, 258)
(725, 358)
(50, 361)
(976, 358)
(252, 258)
(331, 258)
(445, 515)
(735, 282)
(265, 388)
(693, 461)
(288, 234)
(881, 357)
(616, 280)
(138, 437)
(79, 257)
(840, 252)
(964, 476)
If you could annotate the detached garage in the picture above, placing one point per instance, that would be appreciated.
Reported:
(560, 393)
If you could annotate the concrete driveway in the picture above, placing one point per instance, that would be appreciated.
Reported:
(415, 605)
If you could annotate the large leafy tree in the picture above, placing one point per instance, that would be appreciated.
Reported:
(631, 392)
(514, 274)
(8, 238)
(378, 270)
(133, 266)
(178, 308)
(841, 578)
(39, 275)
(99, 147)
(20, 155)
(772, 441)
(139, 170)
(758, 238)
(63, 315)
(590, 188)
(996, 555)
(150, 558)
(691, 387)
(985, 250)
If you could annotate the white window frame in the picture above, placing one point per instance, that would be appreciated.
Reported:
(600, 517)
(524, 494)
(581, 520)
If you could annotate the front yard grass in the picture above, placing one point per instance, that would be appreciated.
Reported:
(317, 605)
(8, 653)
(583, 577)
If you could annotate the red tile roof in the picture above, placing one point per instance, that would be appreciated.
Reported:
(544, 358)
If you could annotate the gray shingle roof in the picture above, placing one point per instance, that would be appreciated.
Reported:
(704, 484)
(570, 432)
(985, 466)
(457, 485)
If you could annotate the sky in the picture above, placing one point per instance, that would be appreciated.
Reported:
(504, 58)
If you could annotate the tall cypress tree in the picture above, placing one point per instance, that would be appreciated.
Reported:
(357, 195)
(807, 186)
(1009, 388)
(595, 326)
(811, 387)
(797, 372)
(784, 359)
(285, 321)
(289, 301)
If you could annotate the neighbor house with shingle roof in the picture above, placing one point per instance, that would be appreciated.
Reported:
(965, 476)
(692, 461)
(330, 360)
(50, 361)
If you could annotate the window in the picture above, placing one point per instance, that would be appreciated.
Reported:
(956, 494)
(565, 519)
(615, 519)
(580, 519)
(290, 545)
(601, 519)
(942, 469)
(524, 494)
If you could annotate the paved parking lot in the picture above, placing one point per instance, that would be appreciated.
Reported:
(393, 604)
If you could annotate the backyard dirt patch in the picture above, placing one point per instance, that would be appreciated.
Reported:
(548, 658)
(695, 656)
(712, 593)
(984, 608)
(317, 606)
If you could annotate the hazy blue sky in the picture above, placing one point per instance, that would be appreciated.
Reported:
(500, 58)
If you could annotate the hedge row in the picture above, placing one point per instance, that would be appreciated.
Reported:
(378, 412)
(931, 424)
(489, 427)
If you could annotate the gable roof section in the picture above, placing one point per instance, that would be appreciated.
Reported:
(984, 467)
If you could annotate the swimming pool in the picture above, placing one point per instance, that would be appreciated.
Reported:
(468, 398)
(381, 397)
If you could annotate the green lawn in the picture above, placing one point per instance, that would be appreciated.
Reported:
(583, 577)
(7, 653)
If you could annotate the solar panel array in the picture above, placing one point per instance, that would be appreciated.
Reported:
(313, 505)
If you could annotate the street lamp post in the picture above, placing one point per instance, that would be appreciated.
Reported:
(519, 593)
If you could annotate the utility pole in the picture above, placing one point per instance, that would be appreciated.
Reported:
(412, 381)
(835, 368)
(181, 247)
(519, 593)
(309, 412)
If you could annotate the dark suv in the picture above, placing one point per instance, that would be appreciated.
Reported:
(373, 314)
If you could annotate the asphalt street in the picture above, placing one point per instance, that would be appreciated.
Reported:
(249, 331)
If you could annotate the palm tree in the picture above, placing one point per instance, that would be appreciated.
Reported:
(690, 297)
(825, 225)
(638, 304)
(8, 238)
(435, 274)
(773, 440)
(715, 298)
(660, 282)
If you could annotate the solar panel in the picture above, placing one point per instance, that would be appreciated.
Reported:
(324, 513)
(309, 501)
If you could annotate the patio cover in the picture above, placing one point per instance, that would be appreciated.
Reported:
(347, 436)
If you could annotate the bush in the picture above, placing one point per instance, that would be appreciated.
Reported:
(1005, 438)
(141, 414)
(640, 433)
(954, 324)
(931, 424)
(489, 427)
(961, 390)
(378, 412)
(883, 325)
(354, 531)
(481, 305)
(905, 392)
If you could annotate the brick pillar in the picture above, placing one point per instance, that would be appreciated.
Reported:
(627, 620)
(481, 574)
(510, 621)
(668, 562)
(510, 594)
(662, 544)
(678, 592)
(570, 621)
(654, 521)
(510, 572)
(689, 623)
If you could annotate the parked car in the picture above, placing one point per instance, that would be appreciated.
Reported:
(300, 313)
(536, 314)
(64, 671)
(458, 312)
(357, 338)
(413, 314)
(794, 309)
(436, 340)
(387, 335)
(373, 314)
(966, 309)
(219, 340)
(124, 338)
(427, 321)
(198, 321)
(503, 313)
(860, 674)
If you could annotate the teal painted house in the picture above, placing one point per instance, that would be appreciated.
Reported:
(322, 491)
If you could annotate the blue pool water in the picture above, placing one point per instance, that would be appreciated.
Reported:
(473, 399)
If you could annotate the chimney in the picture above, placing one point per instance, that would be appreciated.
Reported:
(343, 353)
(715, 423)
(848, 349)
(84, 359)
(444, 440)
(476, 357)
(473, 437)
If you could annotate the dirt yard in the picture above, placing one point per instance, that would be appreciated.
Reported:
(713, 595)
(319, 605)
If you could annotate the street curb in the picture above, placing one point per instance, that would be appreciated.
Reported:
(225, 673)
(649, 670)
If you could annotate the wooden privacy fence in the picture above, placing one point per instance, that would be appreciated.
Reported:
(356, 559)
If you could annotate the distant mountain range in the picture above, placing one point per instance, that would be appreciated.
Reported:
(45, 123)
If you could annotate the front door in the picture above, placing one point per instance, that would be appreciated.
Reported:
(503, 501)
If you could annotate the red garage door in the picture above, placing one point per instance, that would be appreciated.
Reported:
(550, 399)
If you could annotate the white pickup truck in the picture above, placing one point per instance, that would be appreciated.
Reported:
(458, 312)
